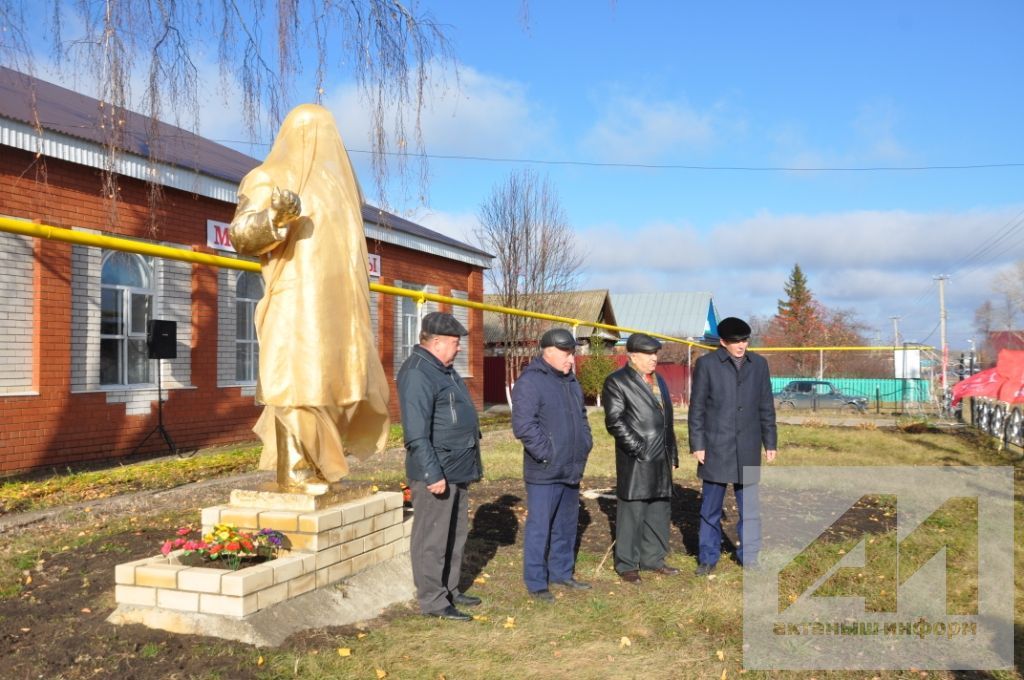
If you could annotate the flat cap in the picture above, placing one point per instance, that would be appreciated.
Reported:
(560, 338)
(731, 328)
(643, 343)
(440, 323)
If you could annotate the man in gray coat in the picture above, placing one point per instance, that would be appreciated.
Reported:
(442, 445)
(638, 414)
(732, 415)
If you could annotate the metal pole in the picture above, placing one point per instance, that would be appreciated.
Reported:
(942, 324)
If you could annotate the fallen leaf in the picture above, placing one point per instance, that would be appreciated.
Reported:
(86, 610)
(260, 661)
(624, 642)
(480, 617)
(479, 581)
(725, 673)
(381, 673)
(720, 654)
(510, 622)
(344, 651)
(28, 579)
(374, 489)
(25, 630)
(361, 635)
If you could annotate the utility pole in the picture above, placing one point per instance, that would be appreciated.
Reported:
(942, 278)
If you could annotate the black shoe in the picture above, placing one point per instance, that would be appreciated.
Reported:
(542, 595)
(450, 613)
(464, 600)
(572, 584)
(704, 569)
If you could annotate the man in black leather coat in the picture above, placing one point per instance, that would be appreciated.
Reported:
(732, 415)
(638, 414)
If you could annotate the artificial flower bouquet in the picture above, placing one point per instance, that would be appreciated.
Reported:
(226, 543)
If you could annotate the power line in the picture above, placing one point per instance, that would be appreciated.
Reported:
(713, 168)
(614, 164)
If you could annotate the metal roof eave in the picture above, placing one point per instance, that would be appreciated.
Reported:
(81, 152)
(89, 154)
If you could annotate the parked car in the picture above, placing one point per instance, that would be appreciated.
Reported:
(818, 394)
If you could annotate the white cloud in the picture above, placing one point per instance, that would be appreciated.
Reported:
(636, 130)
(877, 264)
(872, 139)
(483, 115)
(875, 123)
(459, 225)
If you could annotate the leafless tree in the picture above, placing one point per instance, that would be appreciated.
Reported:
(389, 47)
(524, 226)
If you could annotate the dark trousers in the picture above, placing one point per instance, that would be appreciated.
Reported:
(549, 539)
(439, 528)
(641, 534)
(748, 528)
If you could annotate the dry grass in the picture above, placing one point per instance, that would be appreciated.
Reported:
(678, 627)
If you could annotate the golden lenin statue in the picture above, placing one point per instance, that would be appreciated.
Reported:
(320, 378)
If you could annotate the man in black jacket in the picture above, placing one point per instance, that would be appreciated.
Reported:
(550, 419)
(442, 444)
(732, 415)
(638, 414)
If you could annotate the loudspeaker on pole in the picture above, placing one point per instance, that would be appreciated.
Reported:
(162, 339)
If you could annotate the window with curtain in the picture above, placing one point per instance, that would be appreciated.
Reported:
(126, 304)
(248, 291)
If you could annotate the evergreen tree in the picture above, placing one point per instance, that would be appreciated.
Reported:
(799, 316)
(801, 321)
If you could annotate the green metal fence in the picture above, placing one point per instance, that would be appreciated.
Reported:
(886, 389)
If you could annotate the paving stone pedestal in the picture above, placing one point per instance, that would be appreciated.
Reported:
(328, 546)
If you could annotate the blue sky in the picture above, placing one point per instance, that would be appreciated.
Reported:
(810, 84)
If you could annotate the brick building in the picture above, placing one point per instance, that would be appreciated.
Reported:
(75, 383)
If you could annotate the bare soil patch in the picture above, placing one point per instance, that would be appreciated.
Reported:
(56, 627)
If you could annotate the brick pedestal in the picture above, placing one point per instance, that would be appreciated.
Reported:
(326, 546)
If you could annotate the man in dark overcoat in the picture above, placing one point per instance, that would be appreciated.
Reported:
(732, 415)
(550, 419)
(442, 445)
(638, 414)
